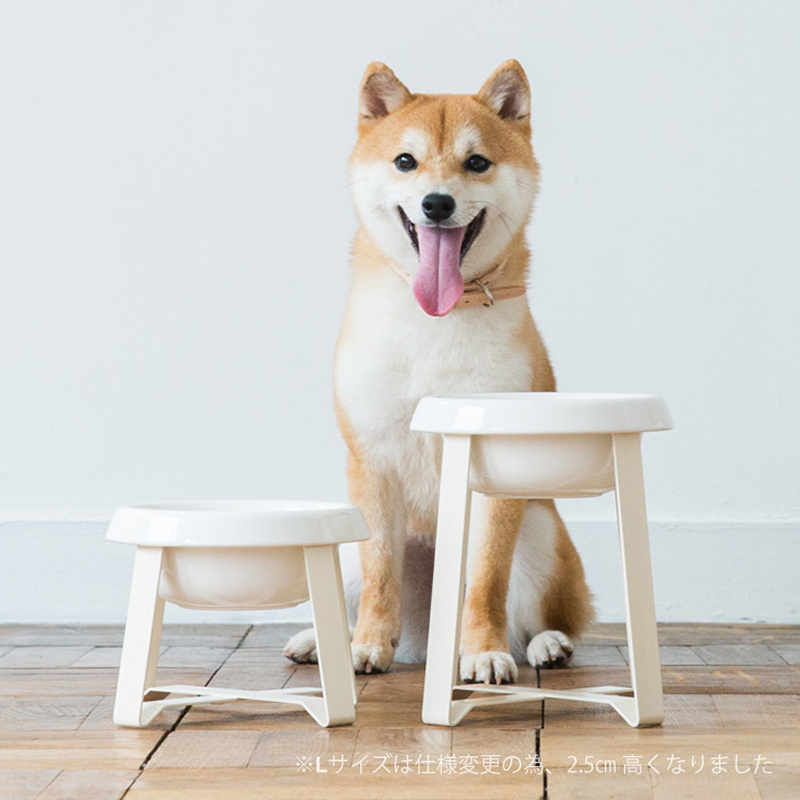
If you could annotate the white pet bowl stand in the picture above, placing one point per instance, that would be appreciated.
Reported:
(541, 445)
(236, 555)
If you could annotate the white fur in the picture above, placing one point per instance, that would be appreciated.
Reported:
(416, 142)
(491, 666)
(549, 649)
(467, 141)
(392, 337)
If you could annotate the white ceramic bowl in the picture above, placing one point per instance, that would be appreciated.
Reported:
(542, 466)
(541, 444)
(236, 554)
(234, 577)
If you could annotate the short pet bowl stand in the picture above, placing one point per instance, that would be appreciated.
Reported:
(541, 445)
(236, 555)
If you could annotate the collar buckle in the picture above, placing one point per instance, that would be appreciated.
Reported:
(485, 289)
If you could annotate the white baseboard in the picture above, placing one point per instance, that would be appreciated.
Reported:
(64, 572)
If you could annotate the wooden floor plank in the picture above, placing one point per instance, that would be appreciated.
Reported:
(705, 784)
(108, 657)
(403, 741)
(25, 784)
(779, 746)
(671, 655)
(255, 677)
(101, 717)
(605, 633)
(681, 711)
(779, 783)
(206, 749)
(690, 634)
(119, 749)
(514, 716)
(283, 748)
(486, 742)
(243, 716)
(591, 655)
(82, 681)
(563, 784)
(709, 634)
(42, 657)
(272, 635)
(739, 654)
(691, 711)
(193, 657)
(45, 713)
(578, 717)
(373, 714)
(759, 711)
(261, 657)
(686, 679)
(201, 635)
(307, 675)
(89, 784)
(790, 653)
(288, 784)
(403, 684)
(204, 635)
(57, 738)
(61, 635)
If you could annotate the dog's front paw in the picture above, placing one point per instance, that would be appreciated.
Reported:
(302, 647)
(372, 658)
(492, 666)
(550, 649)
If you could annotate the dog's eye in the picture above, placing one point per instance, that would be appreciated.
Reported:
(478, 163)
(405, 162)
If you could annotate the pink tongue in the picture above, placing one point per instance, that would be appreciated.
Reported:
(438, 283)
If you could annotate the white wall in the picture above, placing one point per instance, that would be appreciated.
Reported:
(174, 228)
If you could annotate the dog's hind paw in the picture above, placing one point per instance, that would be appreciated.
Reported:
(491, 667)
(302, 647)
(371, 658)
(550, 649)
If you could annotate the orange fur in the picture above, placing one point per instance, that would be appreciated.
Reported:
(484, 624)
(567, 602)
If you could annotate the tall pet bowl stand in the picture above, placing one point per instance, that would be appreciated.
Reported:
(235, 555)
(541, 445)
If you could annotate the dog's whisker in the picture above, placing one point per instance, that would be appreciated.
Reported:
(527, 187)
(502, 216)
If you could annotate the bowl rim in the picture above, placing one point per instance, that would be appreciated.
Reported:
(541, 413)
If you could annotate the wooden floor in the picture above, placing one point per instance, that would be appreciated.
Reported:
(732, 727)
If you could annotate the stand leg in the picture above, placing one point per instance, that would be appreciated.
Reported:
(333, 636)
(640, 612)
(142, 638)
(447, 596)
(343, 614)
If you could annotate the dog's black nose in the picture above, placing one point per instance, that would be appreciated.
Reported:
(438, 206)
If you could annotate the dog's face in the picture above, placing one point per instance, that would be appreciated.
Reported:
(443, 183)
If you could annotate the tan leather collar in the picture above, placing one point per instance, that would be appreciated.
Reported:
(478, 291)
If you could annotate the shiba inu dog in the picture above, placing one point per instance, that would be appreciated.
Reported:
(444, 186)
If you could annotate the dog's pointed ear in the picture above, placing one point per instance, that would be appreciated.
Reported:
(380, 94)
(508, 93)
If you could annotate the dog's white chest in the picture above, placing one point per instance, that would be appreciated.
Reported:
(393, 355)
